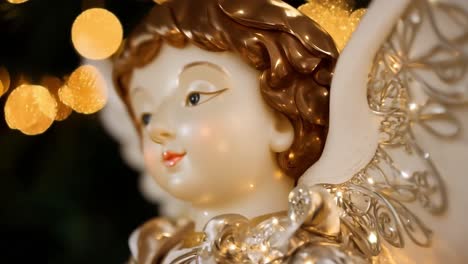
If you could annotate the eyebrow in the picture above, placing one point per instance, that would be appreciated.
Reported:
(138, 89)
(197, 63)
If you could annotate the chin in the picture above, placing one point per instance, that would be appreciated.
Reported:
(188, 193)
(181, 190)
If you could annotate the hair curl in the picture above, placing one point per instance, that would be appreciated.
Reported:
(294, 55)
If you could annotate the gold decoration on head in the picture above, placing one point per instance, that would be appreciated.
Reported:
(30, 109)
(97, 34)
(337, 17)
(4, 80)
(54, 84)
(86, 90)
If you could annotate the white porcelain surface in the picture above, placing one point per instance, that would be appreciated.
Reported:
(352, 139)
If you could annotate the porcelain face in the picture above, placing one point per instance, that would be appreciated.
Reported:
(208, 134)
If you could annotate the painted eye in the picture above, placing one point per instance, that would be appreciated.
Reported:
(198, 98)
(146, 118)
(193, 99)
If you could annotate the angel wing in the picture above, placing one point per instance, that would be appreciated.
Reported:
(397, 148)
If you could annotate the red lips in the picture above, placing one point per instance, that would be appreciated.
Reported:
(171, 159)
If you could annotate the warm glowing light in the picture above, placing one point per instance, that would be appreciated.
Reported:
(4, 80)
(54, 84)
(275, 221)
(405, 174)
(86, 90)
(97, 34)
(413, 106)
(30, 109)
(232, 247)
(373, 238)
(279, 175)
(17, 1)
(337, 17)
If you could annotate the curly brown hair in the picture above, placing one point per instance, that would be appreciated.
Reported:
(294, 55)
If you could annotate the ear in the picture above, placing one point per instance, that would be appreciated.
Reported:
(282, 133)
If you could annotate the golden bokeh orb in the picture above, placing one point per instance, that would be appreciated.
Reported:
(97, 34)
(30, 109)
(85, 91)
(17, 1)
(4, 80)
(337, 17)
(54, 84)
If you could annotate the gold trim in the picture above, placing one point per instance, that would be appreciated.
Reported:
(376, 201)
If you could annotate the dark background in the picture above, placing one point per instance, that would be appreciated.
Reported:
(66, 196)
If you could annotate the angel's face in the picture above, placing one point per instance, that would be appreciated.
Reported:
(208, 136)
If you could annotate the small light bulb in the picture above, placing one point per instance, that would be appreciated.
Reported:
(373, 238)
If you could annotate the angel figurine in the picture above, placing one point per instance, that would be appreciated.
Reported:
(279, 148)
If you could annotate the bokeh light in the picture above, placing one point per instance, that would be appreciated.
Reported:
(337, 17)
(86, 90)
(17, 1)
(30, 109)
(97, 34)
(54, 84)
(4, 80)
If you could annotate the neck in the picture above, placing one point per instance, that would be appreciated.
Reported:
(266, 198)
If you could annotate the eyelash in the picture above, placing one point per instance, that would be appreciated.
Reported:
(193, 99)
(196, 98)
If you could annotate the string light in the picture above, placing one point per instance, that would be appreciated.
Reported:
(30, 109)
(86, 90)
(373, 238)
(4, 80)
(54, 84)
(337, 17)
(97, 34)
(17, 1)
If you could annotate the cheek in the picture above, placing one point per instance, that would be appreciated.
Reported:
(151, 158)
(222, 142)
(210, 137)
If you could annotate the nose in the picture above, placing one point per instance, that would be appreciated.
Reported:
(161, 134)
(161, 127)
